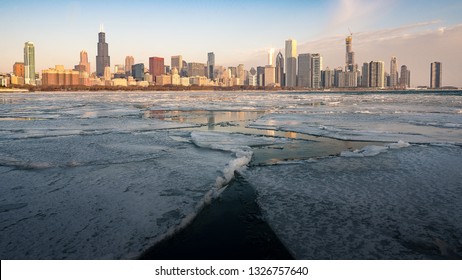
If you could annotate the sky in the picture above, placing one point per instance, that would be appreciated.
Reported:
(417, 32)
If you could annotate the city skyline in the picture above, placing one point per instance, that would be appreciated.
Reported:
(427, 33)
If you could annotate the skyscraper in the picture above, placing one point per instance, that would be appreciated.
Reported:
(129, 61)
(29, 63)
(156, 66)
(138, 71)
(102, 59)
(394, 72)
(436, 75)
(280, 69)
(241, 74)
(270, 76)
(84, 61)
(365, 75)
(327, 78)
(316, 64)
(196, 69)
(291, 63)
(405, 79)
(350, 55)
(210, 65)
(376, 74)
(18, 69)
(176, 61)
(304, 70)
(271, 57)
(253, 77)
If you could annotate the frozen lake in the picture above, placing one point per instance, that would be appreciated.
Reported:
(337, 176)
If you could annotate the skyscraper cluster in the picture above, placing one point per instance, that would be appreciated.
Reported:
(291, 70)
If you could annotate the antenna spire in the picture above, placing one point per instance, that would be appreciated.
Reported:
(101, 27)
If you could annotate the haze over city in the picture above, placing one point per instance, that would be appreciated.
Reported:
(416, 32)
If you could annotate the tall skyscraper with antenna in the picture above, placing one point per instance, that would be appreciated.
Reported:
(102, 59)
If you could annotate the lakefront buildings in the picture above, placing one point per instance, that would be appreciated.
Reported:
(284, 68)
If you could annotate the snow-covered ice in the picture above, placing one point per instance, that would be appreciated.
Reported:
(106, 175)
(402, 204)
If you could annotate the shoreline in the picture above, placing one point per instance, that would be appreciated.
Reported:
(225, 89)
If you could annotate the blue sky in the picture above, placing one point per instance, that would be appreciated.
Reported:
(237, 31)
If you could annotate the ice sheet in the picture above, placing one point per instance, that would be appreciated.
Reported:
(401, 204)
(99, 196)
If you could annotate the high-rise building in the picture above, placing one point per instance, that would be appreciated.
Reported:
(394, 72)
(107, 73)
(280, 69)
(211, 66)
(260, 76)
(241, 74)
(59, 76)
(436, 75)
(365, 75)
(270, 75)
(316, 64)
(350, 55)
(253, 77)
(29, 63)
(18, 69)
(196, 69)
(304, 70)
(156, 66)
(129, 61)
(338, 77)
(84, 61)
(291, 63)
(405, 79)
(119, 69)
(176, 61)
(327, 78)
(376, 74)
(271, 57)
(102, 59)
(138, 72)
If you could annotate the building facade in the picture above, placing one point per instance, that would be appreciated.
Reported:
(349, 55)
(102, 59)
(156, 66)
(316, 64)
(29, 63)
(138, 72)
(211, 66)
(436, 75)
(59, 76)
(196, 69)
(280, 69)
(84, 62)
(394, 76)
(405, 79)
(291, 63)
(18, 69)
(376, 74)
(129, 61)
(304, 70)
(176, 61)
(365, 75)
